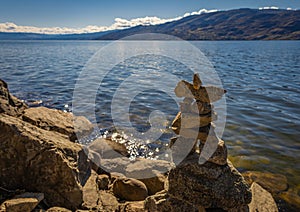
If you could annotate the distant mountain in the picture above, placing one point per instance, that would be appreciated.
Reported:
(37, 36)
(239, 24)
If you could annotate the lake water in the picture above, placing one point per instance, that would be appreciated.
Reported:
(262, 79)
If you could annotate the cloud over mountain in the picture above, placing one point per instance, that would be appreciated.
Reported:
(119, 23)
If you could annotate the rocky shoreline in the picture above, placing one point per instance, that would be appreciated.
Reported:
(44, 169)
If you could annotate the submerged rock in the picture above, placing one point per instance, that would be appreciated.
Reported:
(274, 183)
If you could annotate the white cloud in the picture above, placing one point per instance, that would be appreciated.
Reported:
(269, 8)
(118, 24)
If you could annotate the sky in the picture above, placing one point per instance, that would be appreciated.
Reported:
(71, 16)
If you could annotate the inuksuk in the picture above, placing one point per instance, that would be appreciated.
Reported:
(193, 122)
(204, 179)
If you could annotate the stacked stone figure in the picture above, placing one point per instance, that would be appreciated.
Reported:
(204, 178)
(194, 121)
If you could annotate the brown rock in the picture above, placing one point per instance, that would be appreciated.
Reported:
(209, 185)
(199, 133)
(108, 149)
(130, 189)
(196, 81)
(262, 200)
(206, 94)
(39, 160)
(117, 165)
(192, 120)
(58, 121)
(137, 206)
(197, 107)
(103, 181)
(155, 184)
(90, 192)
(108, 201)
(273, 183)
(182, 147)
(219, 156)
(58, 209)
(163, 201)
(143, 168)
(9, 104)
(25, 202)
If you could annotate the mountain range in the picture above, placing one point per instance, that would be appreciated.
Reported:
(238, 24)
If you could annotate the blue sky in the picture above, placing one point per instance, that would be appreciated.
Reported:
(80, 13)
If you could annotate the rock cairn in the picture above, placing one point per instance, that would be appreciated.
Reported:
(205, 178)
(194, 120)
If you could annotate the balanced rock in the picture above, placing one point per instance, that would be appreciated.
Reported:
(217, 148)
(193, 120)
(209, 185)
(206, 94)
(9, 104)
(130, 189)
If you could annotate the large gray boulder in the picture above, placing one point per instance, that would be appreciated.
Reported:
(209, 185)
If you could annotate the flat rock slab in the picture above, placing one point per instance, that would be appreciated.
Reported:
(58, 121)
(25, 202)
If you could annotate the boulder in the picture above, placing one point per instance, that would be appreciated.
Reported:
(155, 184)
(58, 121)
(108, 149)
(35, 159)
(262, 200)
(209, 185)
(130, 189)
(9, 104)
(25, 202)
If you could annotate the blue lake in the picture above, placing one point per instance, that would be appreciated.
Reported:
(262, 79)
